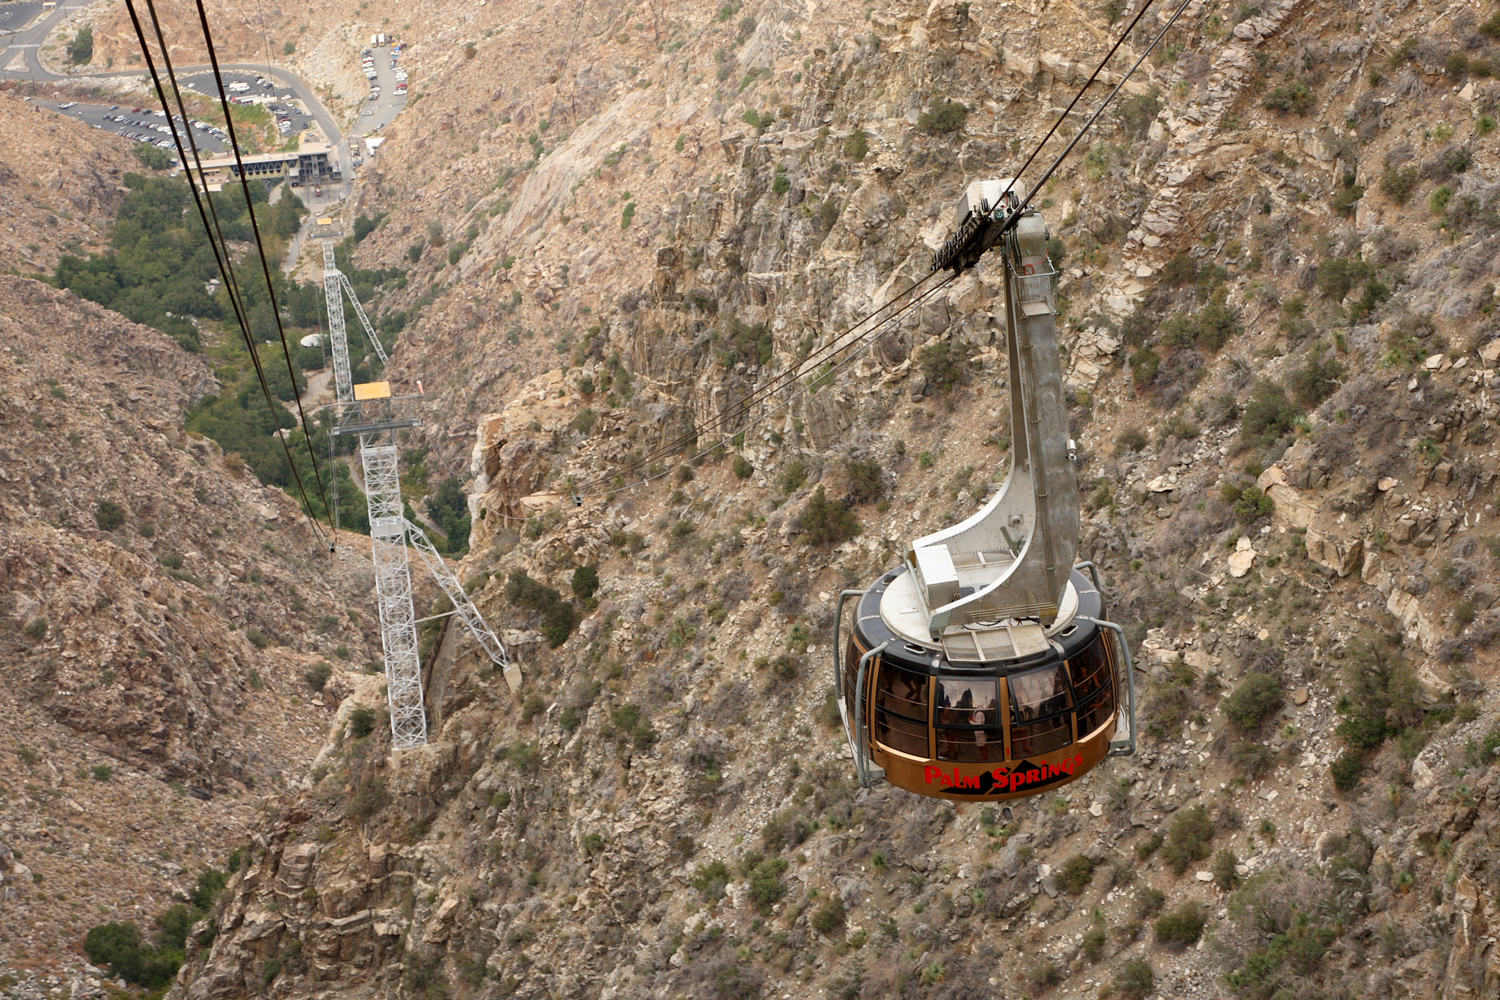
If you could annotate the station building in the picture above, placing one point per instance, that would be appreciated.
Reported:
(315, 162)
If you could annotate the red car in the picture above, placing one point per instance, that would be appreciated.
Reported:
(317, 190)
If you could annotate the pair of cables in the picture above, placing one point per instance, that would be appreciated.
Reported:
(181, 127)
(597, 485)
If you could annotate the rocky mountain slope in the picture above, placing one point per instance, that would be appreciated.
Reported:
(158, 612)
(59, 181)
(1276, 296)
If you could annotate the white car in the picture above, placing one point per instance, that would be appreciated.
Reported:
(70, 104)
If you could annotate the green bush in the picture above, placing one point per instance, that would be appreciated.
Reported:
(81, 48)
(766, 887)
(632, 725)
(1296, 97)
(102, 772)
(525, 757)
(1135, 979)
(866, 480)
(559, 617)
(1094, 940)
(1226, 869)
(36, 629)
(1269, 415)
(1253, 758)
(317, 675)
(1257, 696)
(1188, 841)
(857, 145)
(1316, 380)
(746, 344)
(362, 722)
(1347, 770)
(1398, 184)
(828, 522)
(742, 467)
(944, 365)
(585, 582)
(1144, 366)
(1253, 504)
(1345, 201)
(943, 117)
(154, 158)
(109, 515)
(121, 947)
(711, 879)
(1077, 873)
(368, 799)
(829, 916)
(1182, 927)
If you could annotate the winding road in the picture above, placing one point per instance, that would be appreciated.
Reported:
(28, 41)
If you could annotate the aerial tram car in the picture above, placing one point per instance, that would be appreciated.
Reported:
(984, 668)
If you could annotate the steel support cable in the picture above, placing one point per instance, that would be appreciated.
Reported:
(223, 261)
(1082, 90)
(759, 394)
(854, 352)
(774, 385)
(213, 57)
(1105, 103)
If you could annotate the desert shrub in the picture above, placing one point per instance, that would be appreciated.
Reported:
(559, 617)
(857, 145)
(109, 515)
(866, 480)
(943, 117)
(743, 343)
(1337, 276)
(829, 916)
(785, 829)
(1268, 416)
(1182, 927)
(1382, 697)
(632, 725)
(742, 467)
(943, 364)
(1258, 696)
(711, 879)
(1137, 114)
(793, 477)
(129, 956)
(1252, 503)
(1347, 770)
(1129, 441)
(585, 582)
(766, 887)
(1296, 97)
(1077, 873)
(1316, 380)
(1137, 327)
(525, 757)
(1188, 841)
(1135, 979)
(1094, 940)
(1398, 184)
(362, 722)
(317, 675)
(1149, 901)
(36, 629)
(1144, 364)
(828, 522)
(1253, 758)
(1226, 870)
(368, 799)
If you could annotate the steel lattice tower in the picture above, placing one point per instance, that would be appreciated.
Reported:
(368, 410)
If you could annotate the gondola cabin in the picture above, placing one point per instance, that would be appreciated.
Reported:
(983, 668)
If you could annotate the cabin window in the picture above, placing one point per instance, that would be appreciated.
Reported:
(901, 711)
(1093, 683)
(968, 719)
(1040, 712)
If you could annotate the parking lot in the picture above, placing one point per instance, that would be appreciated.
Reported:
(284, 108)
(138, 120)
(377, 114)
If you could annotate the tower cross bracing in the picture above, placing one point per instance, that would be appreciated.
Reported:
(368, 411)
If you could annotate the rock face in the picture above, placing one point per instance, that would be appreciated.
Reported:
(156, 617)
(60, 181)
